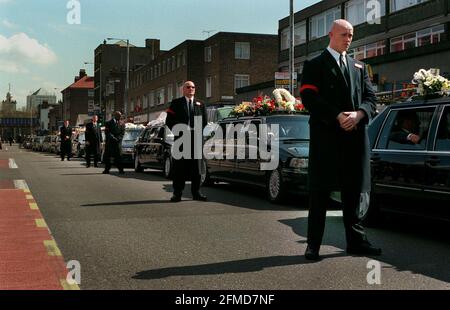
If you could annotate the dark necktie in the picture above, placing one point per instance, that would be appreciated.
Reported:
(344, 69)
(191, 114)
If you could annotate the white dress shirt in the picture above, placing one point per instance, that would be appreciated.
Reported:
(336, 56)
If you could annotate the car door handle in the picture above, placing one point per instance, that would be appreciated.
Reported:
(375, 157)
(433, 160)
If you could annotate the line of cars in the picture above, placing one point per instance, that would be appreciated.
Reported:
(412, 178)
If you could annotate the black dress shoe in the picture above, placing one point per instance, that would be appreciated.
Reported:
(121, 172)
(105, 172)
(88, 166)
(364, 249)
(95, 165)
(199, 197)
(175, 198)
(312, 253)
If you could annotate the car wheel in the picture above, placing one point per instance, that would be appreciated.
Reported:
(137, 164)
(274, 186)
(369, 211)
(167, 167)
(205, 180)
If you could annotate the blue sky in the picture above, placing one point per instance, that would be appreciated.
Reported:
(38, 48)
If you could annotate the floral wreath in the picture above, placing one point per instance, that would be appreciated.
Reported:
(430, 82)
(283, 102)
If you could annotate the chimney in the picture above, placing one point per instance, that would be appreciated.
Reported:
(82, 75)
(153, 45)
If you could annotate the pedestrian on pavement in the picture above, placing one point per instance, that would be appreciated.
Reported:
(93, 138)
(65, 133)
(337, 91)
(182, 111)
(114, 131)
(11, 140)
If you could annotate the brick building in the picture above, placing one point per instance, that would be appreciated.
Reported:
(78, 98)
(218, 66)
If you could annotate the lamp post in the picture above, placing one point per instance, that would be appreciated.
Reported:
(127, 79)
(291, 47)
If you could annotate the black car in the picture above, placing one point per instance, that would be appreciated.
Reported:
(153, 149)
(410, 160)
(128, 142)
(291, 173)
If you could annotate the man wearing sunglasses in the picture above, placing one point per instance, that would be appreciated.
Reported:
(182, 111)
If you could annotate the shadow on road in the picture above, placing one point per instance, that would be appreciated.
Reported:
(408, 244)
(125, 203)
(238, 266)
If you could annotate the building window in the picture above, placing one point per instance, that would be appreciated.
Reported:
(397, 5)
(320, 25)
(422, 37)
(208, 54)
(174, 63)
(144, 102)
(183, 58)
(169, 92)
(164, 67)
(242, 50)
(179, 90)
(369, 50)
(208, 87)
(90, 93)
(300, 33)
(285, 39)
(151, 98)
(160, 96)
(241, 80)
(169, 65)
(357, 11)
(179, 60)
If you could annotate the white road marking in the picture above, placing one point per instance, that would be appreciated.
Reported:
(12, 164)
(21, 184)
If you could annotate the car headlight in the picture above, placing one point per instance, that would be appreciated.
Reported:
(128, 150)
(299, 163)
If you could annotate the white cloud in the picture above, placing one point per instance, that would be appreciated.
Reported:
(5, 1)
(20, 49)
(8, 24)
(11, 67)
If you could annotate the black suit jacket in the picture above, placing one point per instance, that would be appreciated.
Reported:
(178, 112)
(337, 159)
(65, 133)
(114, 133)
(93, 136)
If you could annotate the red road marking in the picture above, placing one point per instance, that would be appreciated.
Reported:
(4, 163)
(24, 261)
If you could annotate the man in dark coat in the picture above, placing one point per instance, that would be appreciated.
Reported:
(93, 138)
(182, 111)
(337, 91)
(114, 131)
(65, 133)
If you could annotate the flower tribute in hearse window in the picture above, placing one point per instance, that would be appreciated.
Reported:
(431, 83)
(283, 102)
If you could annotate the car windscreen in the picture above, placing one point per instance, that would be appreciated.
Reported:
(131, 135)
(291, 127)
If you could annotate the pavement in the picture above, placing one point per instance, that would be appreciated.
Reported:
(29, 256)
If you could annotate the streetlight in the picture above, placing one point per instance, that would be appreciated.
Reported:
(127, 79)
(291, 47)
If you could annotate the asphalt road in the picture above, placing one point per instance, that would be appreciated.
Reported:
(127, 235)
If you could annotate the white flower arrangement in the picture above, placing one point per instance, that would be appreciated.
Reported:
(429, 82)
(284, 99)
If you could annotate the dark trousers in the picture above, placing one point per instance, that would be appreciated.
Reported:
(318, 202)
(91, 151)
(182, 168)
(117, 161)
(66, 150)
